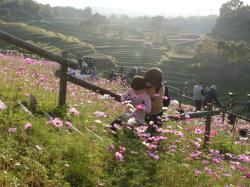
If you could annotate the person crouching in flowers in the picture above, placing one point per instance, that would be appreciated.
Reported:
(156, 90)
(137, 103)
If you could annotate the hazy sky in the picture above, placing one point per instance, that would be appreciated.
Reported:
(152, 7)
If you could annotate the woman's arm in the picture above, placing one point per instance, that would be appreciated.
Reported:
(147, 104)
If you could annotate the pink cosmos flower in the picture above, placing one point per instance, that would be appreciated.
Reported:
(12, 130)
(247, 175)
(111, 148)
(73, 111)
(2, 106)
(209, 171)
(27, 126)
(227, 175)
(69, 125)
(140, 107)
(122, 149)
(100, 114)
(119, 156)
(243, 158)
(151, 146)
(154, 156)
(196, 154)
(216, 160)
(197, 172)
(180, 134)
(205, 162)
(165, 98)
(198, 131)
(56, 122)
(197, 145)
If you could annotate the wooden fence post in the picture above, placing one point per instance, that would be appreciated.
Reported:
(180, 102)
(223, 116)
(63, 82)
(208, 124)
(121, 71)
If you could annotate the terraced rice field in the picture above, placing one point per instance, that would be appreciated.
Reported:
(52, 39)
(128, 51)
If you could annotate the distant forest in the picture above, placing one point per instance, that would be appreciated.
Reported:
(28, 10)
(232, 24)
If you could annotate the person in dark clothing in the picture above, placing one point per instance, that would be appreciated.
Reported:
(211, 96)
(112, 76)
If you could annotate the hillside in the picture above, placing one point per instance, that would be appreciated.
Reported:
(52, 41)
(130, 49)
(35, 152)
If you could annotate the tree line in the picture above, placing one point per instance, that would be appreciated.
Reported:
(27, 10)
(233, 22)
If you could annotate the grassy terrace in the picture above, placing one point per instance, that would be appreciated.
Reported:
(41, 153)
(126, 51)
(54, 39)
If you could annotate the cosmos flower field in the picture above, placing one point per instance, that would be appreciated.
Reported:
(77, 148)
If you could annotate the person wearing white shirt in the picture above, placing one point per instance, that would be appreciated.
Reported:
(199, 94)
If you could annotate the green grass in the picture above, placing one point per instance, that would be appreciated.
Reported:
(47, 156)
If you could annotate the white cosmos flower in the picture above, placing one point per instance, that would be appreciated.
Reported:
(131, 121)
(105, 96)
(175, 103)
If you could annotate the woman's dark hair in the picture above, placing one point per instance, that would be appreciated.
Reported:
(154, 76)
(138, 83)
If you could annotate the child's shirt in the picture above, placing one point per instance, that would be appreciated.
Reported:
(142, 104)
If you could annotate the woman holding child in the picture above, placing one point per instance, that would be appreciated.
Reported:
(156, 90)
(147, 90)
(146, 96)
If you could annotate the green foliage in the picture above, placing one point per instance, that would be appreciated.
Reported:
(206, 49)
(233, 23)
(235, 51)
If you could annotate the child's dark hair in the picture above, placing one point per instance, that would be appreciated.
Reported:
(154, 76)
(138, 83)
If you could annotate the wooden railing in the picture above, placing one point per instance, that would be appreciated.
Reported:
(62, 73)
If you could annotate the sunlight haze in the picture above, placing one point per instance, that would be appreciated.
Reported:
(142, 7)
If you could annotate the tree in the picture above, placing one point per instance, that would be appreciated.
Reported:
(98, 19)
(234, 21)
(5, 14)
(87, 12)
(231, 8)
(157, 22)
(46, 11)
(235, 51)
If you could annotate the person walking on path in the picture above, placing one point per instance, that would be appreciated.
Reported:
(211, 96)
(199, 94)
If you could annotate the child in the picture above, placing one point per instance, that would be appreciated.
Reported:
(138, 98)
